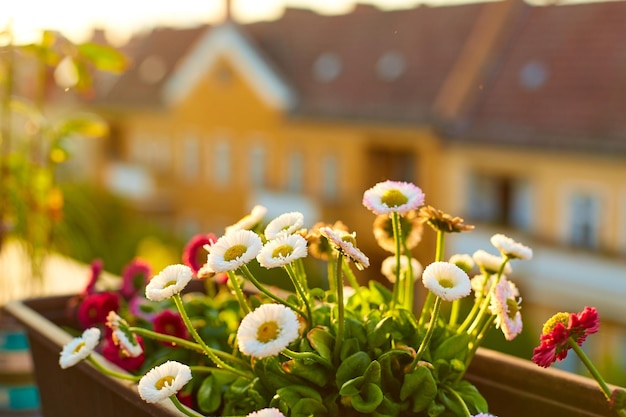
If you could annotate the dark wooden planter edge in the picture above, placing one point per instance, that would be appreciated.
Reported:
(514, 387)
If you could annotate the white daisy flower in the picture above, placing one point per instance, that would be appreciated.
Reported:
(510, 248)
(446, 280)
(267, 330)
(233, 250)
(285, 224)
(463, 261)
(282, 251)
(266, 412)
(171, 280)
(163, 381)
(250, 220)
(79, 348)
(480, 284)
(388, 267)
(393, 196)
(505, 305)
(490, 263)
(346, 243)
(122, 337)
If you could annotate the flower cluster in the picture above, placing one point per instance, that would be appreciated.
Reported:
(242, 347)
(565, 331)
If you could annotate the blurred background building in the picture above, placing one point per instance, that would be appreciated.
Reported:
(510, 115)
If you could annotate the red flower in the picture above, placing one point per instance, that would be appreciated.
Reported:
(94, 308)
(170, 323)
(96, 269)
(554, 340)
(114, 354)
(194, 254)
(134, 278)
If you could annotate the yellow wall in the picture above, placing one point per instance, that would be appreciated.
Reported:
(553, 177)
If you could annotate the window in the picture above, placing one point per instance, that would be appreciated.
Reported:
(257, 166)
(190, 157)
(220, 168)
(584, 215)
(330, 173)
(295, 172)
(390, 164)
(500, 200)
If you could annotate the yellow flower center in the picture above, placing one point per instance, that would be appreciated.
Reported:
(446, 283)
(349, 238)
(393, 198)
(267, 332)
(282, 251)
(513, 307)
(234, 252)
(164, 382)
(561, 317)
(79, 347)
(169, 283)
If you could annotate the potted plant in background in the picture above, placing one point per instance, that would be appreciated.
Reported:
(33, 143)
(346, 350)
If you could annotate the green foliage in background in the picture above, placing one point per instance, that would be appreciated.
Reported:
(98, 225)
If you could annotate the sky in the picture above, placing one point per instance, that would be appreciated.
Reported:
(77, 18)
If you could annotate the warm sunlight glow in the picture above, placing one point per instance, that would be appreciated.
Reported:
(76, 19)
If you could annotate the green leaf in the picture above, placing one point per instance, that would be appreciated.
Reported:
(309, 407)
(370, 397)
(352, 387)
(103, 57)
(353, 366)
(421, 386)
(314, 372)
(455, 347)
(472, 397)
(85, 124)
(322, 341)
(349, 347)
(372, 373)
(379, 333)
(209, 395)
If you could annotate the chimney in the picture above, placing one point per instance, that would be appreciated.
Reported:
(228, 13)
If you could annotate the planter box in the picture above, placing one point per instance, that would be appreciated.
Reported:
(513, 387)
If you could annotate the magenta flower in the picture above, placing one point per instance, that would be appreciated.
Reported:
(113, 353)
(96, 269)
(556, 335)
(135, 276)
(94, 308)
(194, 254)
(170, 323)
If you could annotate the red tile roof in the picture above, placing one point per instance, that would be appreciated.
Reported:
(573, 58)
(428, 39)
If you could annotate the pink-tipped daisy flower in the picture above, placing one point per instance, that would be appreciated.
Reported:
(393, 196)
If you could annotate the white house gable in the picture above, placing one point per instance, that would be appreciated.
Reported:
(227, 41)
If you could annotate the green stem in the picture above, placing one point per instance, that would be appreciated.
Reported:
(487, 300)
(340, 312)
(307, 356)
(268, 293)
(184, 409)
(397, 233)
(365, 307)
(429, 333)
(591, 367)
(460, 400)
(476, 343)
(186, 344)
(109, 372)
(207, 350)
(238, 292)
(410, 279)
(430, 297)
(302, 293)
